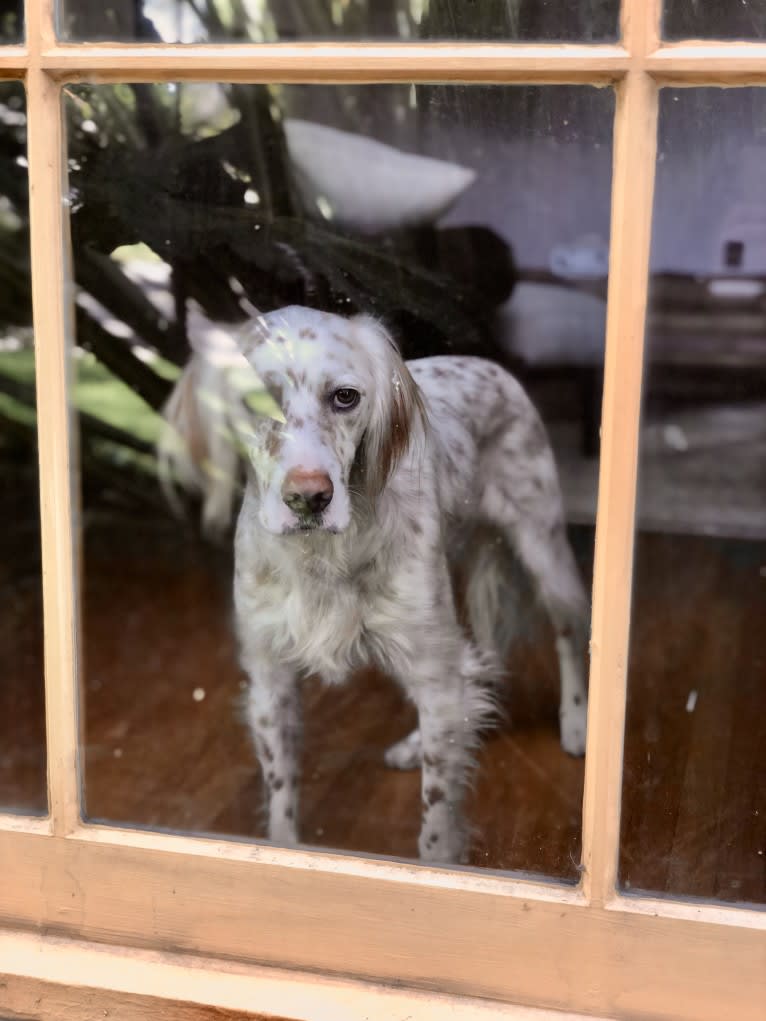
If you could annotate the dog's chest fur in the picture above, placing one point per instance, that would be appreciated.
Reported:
(321, 614)
(329, 603)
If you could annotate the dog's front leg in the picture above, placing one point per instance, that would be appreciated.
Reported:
(273, 709)
(447, 734)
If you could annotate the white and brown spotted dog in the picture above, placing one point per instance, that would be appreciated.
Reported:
(358, 495)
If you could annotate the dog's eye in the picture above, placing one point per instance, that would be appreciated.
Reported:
(345, 398)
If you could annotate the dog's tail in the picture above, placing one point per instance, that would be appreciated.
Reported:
(495, 584)
(206, 426)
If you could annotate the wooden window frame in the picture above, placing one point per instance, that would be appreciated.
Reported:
(154, 925)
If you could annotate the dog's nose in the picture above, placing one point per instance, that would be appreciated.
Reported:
(307, 492)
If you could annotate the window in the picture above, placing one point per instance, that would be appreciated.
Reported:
(650, 904)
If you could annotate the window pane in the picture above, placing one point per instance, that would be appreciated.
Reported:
(471, 221)
(714, 19)
(11, 21)
(22, 711)
(285, 20)
(694, 815)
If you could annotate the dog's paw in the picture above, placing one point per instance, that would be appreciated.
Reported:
(573, 722)
(405, 754)
(282, 829)
(443, 848)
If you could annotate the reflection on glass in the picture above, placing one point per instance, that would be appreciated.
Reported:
(22, 712)
(12, 21)
(714, 19)
(470, 221)
(285, 20)
(694, 802)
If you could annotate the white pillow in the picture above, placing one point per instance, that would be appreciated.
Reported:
(547, 325)
(367, 186)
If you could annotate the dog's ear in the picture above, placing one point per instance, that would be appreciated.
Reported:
(183, 437)
(196, 450)
(398, 414)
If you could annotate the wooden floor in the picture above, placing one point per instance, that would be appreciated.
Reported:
(167, 746)
(694, 808)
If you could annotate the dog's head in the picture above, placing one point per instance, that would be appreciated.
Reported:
(346, 410)
(349, 409)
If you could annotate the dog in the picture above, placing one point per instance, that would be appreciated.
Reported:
(367, 479)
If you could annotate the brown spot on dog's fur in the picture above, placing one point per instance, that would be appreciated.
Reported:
(434, 795)
(268, 754)
(273, 384)
(277, 784)
(307, 334)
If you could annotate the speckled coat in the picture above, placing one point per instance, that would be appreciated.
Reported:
(438, 458)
